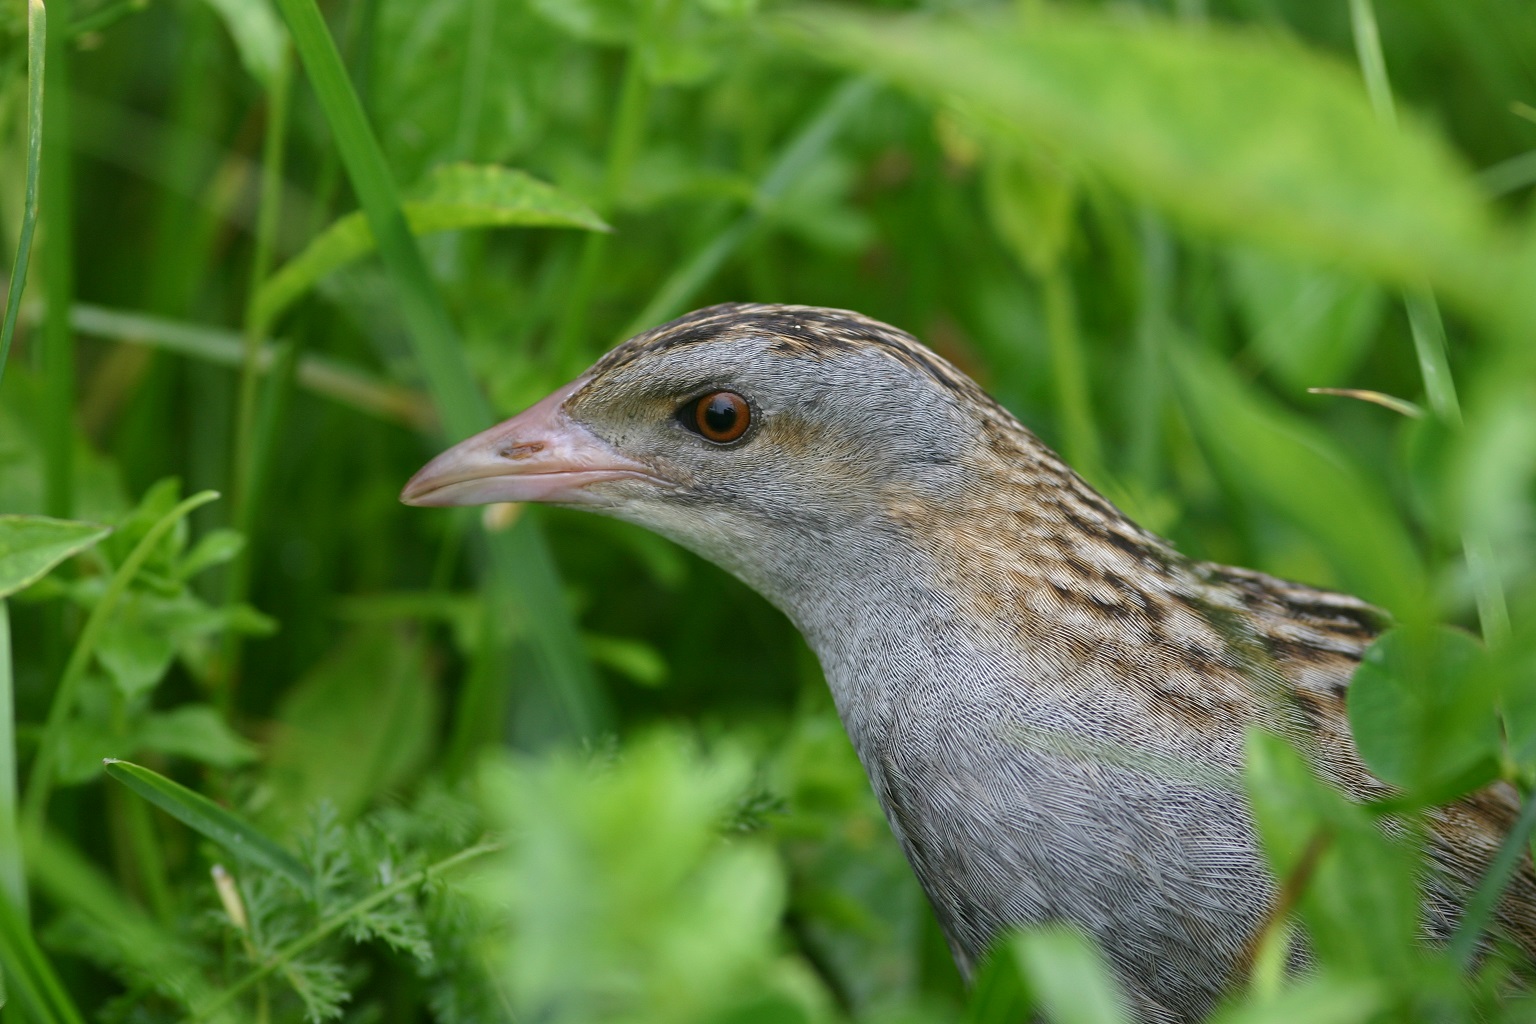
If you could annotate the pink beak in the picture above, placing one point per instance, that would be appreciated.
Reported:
(541, 454)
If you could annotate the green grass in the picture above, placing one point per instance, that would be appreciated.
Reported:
(371, 762)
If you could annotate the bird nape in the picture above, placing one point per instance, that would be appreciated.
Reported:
(1016, 662)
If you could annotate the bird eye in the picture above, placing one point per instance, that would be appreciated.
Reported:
(720, 416)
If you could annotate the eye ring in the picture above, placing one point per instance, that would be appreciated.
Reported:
(719, 416)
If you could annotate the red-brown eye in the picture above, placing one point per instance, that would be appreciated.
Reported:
(721, 416)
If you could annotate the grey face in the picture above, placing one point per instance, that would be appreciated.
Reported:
(831, 437)
(828, 440)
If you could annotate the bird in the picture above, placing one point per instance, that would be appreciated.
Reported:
(1050, 701)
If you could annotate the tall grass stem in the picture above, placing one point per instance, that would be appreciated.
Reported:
(1429, 342)
(37, 51)
(522, 572)
(56, 210)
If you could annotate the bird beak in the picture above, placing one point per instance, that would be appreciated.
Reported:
(541, 454)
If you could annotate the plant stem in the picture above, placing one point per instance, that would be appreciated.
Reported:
(58, 354)
(334, 923)
(12, 870)
(1480, 908)
(37, 50)
(1429, 344)
(248, 449)
(40, 784)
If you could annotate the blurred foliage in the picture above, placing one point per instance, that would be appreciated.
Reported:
(488, 792)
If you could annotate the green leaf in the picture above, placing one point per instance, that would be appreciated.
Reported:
(664, 901)
(1285, 151)
(1067, 974)
(30, 546)
(1316, 1000)
(1422, 711)
(258, 35)
(638, 661)
(1291, 467)
(214, 548)
(458, 196)
(195, 731)
(158, 501)
(357, 725)
(1356, 889)
(1000, 992)
(202, 815)
(137, 645)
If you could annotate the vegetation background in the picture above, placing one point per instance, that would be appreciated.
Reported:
(390, 764)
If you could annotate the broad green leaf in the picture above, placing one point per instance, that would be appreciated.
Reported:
(359, 724)
(1422, 711)
(458, 196)
(1358, 893)
(1000, 992)
(638, 661)
(202, 815)
(258, 35)
(1285, 150)
(670, 923)
(214, 548)
(30, 546)
(1316, 1000)
(1293, 468)
(137, 645)
(197, 732)
(1068, 977)
(149, 630)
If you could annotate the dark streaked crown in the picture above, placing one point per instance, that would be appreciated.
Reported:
(797, 332)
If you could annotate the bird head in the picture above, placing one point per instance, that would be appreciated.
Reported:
(773, 440)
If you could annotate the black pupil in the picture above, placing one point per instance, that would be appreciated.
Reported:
(720, 414)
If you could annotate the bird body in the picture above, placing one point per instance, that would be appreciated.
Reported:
(1050, 702)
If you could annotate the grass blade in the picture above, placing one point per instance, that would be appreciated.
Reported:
(55, 207)
(329, 378)
(1287, 153)
(37, 34)
(208, 819)
(523, 573)
(1480, 908)
(13, 884)
(29, 975)
(1429, 342)
(69, 880)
